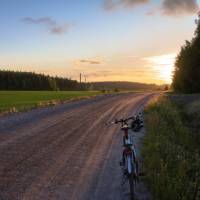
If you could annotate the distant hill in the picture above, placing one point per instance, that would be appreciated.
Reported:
(123, 86)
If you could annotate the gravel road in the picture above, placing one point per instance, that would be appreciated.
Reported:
(66, 152)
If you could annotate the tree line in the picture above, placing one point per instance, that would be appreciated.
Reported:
(186, 77)
(11, 80)
(124, 85)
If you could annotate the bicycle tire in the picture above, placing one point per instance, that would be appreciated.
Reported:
(131, 176)
(132, 189)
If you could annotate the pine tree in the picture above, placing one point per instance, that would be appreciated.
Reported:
(187, 67)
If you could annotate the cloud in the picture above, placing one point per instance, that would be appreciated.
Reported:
(91, 62)
(48, 22)
(153, 11)
(114, 4)
(179, 7)
(109, 5)
(131, 3)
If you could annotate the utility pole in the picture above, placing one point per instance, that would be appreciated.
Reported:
(80, 77)
(85, 79)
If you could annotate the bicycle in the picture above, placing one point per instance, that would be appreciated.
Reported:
(129, 161)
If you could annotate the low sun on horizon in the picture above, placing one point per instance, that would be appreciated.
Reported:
(164, 66)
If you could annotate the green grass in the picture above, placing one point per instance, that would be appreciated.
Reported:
(171, 151)
(23, 100)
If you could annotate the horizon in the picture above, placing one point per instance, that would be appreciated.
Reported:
(83, 78)
(105, 40)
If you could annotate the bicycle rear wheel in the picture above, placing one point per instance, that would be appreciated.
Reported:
(132, 187)
(131, 175)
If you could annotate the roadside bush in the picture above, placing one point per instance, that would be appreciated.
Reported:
(171, 154)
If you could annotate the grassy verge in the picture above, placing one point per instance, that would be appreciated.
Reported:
(23, 100)
(171, 151)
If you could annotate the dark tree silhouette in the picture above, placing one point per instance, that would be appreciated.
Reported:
(10, 80)
(187, 67)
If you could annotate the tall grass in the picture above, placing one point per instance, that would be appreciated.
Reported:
(171, 153)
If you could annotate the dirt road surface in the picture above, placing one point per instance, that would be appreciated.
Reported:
(66, 152)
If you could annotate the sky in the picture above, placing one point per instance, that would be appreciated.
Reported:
(105, 40)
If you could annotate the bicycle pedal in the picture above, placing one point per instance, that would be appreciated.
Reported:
(125, 172)
(123, 183)
(120, 163)
(124, 179)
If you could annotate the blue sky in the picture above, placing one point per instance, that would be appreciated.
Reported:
(134, 41)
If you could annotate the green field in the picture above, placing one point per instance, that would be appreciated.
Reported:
(23, 100)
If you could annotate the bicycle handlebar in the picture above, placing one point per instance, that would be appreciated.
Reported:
(124, 120)
(121, 120)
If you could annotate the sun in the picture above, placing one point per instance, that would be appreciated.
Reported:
(163, 66)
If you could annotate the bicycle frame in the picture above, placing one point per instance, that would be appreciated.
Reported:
(129, 150)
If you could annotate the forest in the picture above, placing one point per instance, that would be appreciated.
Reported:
(10, 80)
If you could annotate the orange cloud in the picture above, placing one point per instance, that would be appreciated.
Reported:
(92, 62)
(87, 61)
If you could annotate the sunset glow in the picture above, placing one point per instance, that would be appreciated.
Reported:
(164, 65)
(124, 41)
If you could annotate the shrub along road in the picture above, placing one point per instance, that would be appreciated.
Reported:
(66, 152)
(171, 150)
